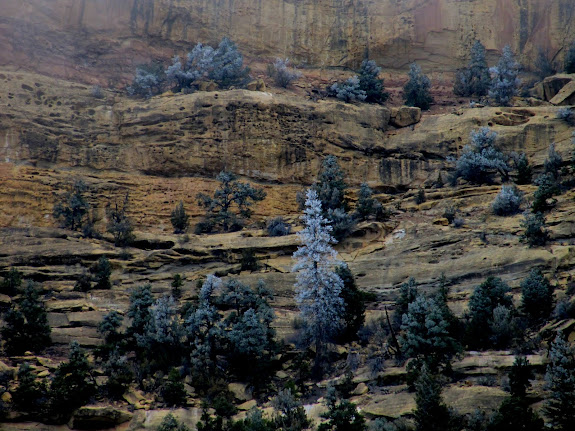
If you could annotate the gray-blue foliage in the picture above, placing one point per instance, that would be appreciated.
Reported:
(349, 90)
(317, 284)
(481, 158)
(508, 201)
(504, 81)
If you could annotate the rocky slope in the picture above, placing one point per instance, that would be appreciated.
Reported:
(102, 41)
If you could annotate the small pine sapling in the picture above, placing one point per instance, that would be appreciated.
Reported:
(416, 91)
(370, 82)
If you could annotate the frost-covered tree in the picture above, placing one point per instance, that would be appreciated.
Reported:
(416, 91)
(163, 329)
(26, 324)
(504, 81)
(560, 382)
(204, 330)
(318, 286)
(149, 80)
(485, 298)
(474, 79)
(536, 295)
(230, 204)
(141, 300)
(349, 90)
(426, 333)
(370, 82)
(508, 201)
(480, 159)
(281, 72)
(198, 65)
(408, 292)
(72, 208)
(229, 67)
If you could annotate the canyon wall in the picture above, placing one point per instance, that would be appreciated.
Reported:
(103, 40)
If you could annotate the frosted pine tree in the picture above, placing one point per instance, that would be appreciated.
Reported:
(504, 81)
(318, 286)
(560, 382)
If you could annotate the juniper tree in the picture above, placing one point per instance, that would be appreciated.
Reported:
(109, 328)
(408, 292)
(536, 296)
(560, 382)
(481, 158)
(230, 204)
(72, 208)
(26, 324)
(72, 385)
(149, 80)
(228, 67)
(11, 282)
(535, 232)
(553, 162)
(179, 218)
(198, 65)
(349, 91)
(281, 72)
(102, 271)
(483, 301)
(367, 205)
(426, 334)
(353, 304)
(278, 227)
(31, 395)
(290, 414)
(543, 197)
(524, 169)
(514, 412)
(474, 79)
(431, 413)
(342, 416)
(318, 286)
(508, 201)
(370, 83)
(543, 67)
(119, 223)
(504, 81)
(203, 330)
(416, 91)
(141, 300)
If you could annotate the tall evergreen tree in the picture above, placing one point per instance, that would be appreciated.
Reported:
(431, 413)
(504, 81)
(560, 382)
(11, 282)
(416, 91)
(426, 334)
(371, 83)
(486, 297)
(229, 67)
(474, 79)
(353, 304)
(536, 295)
(318, 286)
(26, 324)
(179, 218)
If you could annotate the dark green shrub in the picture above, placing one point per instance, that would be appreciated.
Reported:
(248, 261)
(353, 303)
(543, 197)
(26, 324)
(72, 208)
(177, 283)
(83, 283)
(535, 233)
(173, 392)
(72, 386)
(416, 91)
(524, 170)
(474, 79)
(343, 416)
(536, 296)
(542, 65)
(278, 227)
(102, 271)
(431, 413)
(230, 204)
(120, 224)
(420, 196)
(179, 219)
(11, 282)
(31, 396)
(170, 423)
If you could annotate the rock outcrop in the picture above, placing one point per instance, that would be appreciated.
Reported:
(103, 41)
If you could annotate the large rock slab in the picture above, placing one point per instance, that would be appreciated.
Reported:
(565, 96)
(99, 417)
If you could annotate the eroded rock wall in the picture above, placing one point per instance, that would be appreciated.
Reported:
(103, 40)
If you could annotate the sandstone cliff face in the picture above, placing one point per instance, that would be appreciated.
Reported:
(103, 40)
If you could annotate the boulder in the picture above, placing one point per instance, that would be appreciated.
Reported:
(98, 417)
(360, 389)
(405, 116)
(565, 96)
(240, 391)
(550, 86)
(248, 405)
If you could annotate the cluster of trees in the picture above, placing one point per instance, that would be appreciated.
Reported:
(222, 65)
